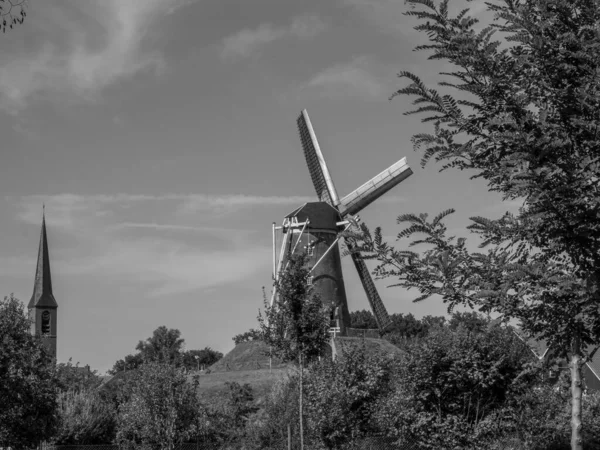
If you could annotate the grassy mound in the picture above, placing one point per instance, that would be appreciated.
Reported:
(253, 355)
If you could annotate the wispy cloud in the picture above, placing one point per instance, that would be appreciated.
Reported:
(248, 41)
(117, 238)
(84, 47)
(224, 204)
(66, 209)
(352, 78)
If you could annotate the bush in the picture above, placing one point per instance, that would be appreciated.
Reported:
(84, 418)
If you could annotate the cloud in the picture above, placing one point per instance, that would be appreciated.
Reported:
(168, 266)
(352, 78)
(64, 210)
(118, 238)
(248, 41)
(85, 47)
(223, 204)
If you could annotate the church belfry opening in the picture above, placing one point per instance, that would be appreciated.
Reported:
(46, 323)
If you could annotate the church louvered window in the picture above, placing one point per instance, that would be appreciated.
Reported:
(46, 322)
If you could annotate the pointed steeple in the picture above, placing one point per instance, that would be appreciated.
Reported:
(42, 289)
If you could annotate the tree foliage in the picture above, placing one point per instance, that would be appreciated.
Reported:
(166, 346)
(206, 357)
(450, 385)
(130, 362)
(162, 409)
(525, 120)
(75, 378)
(296, 327)
(248, 336)
(12, 12)
(341, 395)
(27, 381)
(84, 418)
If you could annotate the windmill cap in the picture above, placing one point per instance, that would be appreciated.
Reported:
(320, 215)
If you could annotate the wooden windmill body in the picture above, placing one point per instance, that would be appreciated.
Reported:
(317, 228)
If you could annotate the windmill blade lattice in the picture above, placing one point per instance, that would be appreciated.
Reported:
(319, 173)
(379, 311)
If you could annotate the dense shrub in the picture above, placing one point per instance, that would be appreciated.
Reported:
(450, 385)
(84, 418)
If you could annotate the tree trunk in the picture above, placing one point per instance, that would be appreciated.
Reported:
(576, 391)
(300, 403)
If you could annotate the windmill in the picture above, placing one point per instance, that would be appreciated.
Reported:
(317, 228)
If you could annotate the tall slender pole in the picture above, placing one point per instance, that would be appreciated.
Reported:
(274, 253)
(301, 406)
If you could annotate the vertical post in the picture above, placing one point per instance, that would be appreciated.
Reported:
(289, 430)
(576, 391)
(274, 253)
(301, 409)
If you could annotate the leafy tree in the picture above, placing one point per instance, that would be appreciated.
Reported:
(192, 359)
(12, 12)
(240, 403)
(525, 121)
(162, 409)
(363, 320)
(433, 321)
(75, 378)
(540, 418)
(470, 320)
(296, 327)
(450, 383)
(27, 381)
(84, 418)
(341, 395)
(130, 362)
(165, 345)
(278, 412)
(248, 336)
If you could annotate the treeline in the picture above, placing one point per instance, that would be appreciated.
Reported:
(467, 382)
(68, 404)
(166, 346)
(408, 326)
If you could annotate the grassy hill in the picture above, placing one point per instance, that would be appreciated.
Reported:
(248, 363)
(251, 355)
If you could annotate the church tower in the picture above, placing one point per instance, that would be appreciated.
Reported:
(42, 306)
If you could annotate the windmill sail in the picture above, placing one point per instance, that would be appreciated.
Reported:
(374, 188)
(319, 172)
(381, 315)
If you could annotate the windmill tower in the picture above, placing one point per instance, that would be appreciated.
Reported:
(317, 228)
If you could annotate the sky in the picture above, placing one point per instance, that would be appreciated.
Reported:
(161, 136)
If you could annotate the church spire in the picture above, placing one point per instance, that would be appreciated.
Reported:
(42, 289)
